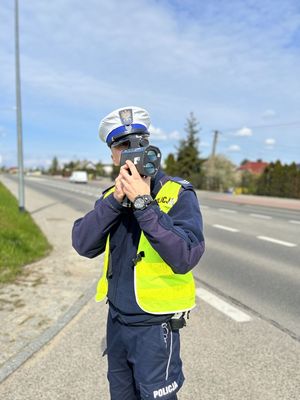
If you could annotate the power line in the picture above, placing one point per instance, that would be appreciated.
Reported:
(262, 142)
(293, 123)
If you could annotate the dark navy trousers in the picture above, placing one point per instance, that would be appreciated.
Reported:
(143, 361)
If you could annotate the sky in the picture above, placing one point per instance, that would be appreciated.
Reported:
(235, 64)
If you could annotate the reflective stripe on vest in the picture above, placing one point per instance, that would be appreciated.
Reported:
(158, 290)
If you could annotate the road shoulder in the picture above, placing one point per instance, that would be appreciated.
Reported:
(47, 289)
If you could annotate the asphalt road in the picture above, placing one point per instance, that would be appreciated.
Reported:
(241, 260)
(253, 256)
(243, 339)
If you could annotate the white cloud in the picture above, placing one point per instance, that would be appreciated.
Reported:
(270, 142)
(227, 61)
(86, 31)
(234, 148)
(244, 132)
(70, 86)
(175, 135)
(157, 133)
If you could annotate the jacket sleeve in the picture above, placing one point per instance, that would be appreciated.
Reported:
(178, 235)
(89, 233)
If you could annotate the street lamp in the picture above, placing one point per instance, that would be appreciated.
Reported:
(19, 112)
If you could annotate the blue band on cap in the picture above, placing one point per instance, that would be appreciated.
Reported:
(122, 129)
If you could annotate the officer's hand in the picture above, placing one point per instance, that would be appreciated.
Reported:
(119, 193)
(134, 184)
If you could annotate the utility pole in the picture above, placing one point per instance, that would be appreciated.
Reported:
(19, 112)
(212, 160)
(213, 153)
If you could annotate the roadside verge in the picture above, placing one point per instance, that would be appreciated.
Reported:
(49, 292)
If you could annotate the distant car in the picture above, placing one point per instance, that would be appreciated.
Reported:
(79, 177)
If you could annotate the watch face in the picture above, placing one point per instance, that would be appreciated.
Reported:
(139, 203)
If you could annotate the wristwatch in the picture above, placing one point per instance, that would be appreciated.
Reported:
(142, 201)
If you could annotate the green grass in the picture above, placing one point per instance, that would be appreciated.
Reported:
(21, 240)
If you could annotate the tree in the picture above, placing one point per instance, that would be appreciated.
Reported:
(115, 172)
(264, 182)
(188, 160)
(290, 181)
(245, 161)
(248, 182)
(294, 181)
(54, 167)
(170, 165)
(279, 180)
(277, 188)
(222, 176)
(100, 169)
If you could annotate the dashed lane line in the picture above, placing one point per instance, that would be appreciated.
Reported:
(260, 216)
(266, 238)
(227, 309)
(226, 210)
(253, 312)
(225, 228)
(276, 241)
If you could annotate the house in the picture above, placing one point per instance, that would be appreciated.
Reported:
(108, 168)
(254, 167)
(13, 170)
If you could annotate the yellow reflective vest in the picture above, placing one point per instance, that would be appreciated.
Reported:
(158, 290)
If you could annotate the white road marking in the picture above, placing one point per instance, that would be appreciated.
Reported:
(225, 228)
(222, 306)
(261, 216)
(226, 210)
(292, 221)
(33, 178)
(268, 239)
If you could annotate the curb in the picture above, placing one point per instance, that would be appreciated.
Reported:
(28, 351)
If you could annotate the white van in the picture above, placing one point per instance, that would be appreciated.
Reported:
(79, 177)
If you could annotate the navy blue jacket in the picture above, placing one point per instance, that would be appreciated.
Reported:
(176, 236)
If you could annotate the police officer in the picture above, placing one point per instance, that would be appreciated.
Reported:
(150, 249)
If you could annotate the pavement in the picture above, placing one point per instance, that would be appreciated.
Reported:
(42, 297)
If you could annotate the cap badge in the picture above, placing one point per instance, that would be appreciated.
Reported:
(126, 116)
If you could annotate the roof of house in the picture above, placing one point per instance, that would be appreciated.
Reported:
(255, 167)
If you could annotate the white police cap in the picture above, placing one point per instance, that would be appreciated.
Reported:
(123, 122)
